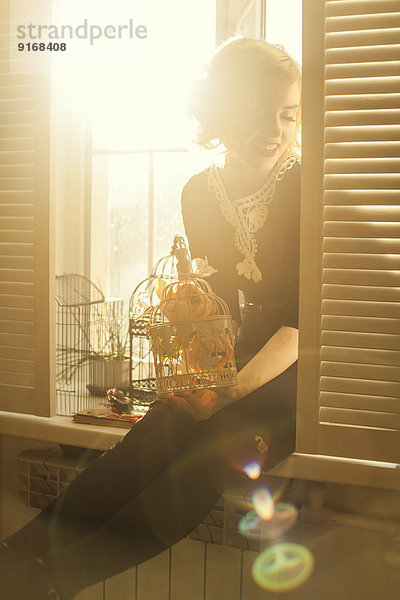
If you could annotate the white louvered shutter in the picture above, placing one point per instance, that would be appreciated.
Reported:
(355, 408)
(26, 265)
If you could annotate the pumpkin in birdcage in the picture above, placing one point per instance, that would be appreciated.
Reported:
(185, 299)
(212, 346)
(191, 332)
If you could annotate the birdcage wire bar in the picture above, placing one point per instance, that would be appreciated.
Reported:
(141, 369)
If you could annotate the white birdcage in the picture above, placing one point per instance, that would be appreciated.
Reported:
(191, 334)
(142, 375)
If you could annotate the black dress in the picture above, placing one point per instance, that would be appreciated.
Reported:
(155, 485)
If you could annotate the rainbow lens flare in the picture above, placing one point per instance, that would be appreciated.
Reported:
(283, 518)
(283, 567)
(263, 503)
(253, 470)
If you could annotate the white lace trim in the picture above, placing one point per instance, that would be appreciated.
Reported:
(247, 215)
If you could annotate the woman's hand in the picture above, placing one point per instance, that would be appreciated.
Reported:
(201, 404)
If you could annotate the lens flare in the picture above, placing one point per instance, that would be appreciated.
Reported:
(250, 525)
(253, 470)
(253, 526)
(283, 567)
(263, 503)
(283, 518)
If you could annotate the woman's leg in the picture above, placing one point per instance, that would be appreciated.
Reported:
(110, 482)
(176, 501)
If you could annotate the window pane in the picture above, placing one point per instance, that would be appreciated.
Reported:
(171, 171)
(128, 223)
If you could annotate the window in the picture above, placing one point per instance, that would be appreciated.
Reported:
(348, 401)
(142, 145)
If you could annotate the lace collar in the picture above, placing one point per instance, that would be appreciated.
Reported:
(247, 215)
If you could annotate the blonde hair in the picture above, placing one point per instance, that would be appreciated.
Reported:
(240, 70)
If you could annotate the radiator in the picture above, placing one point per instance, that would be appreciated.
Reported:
(213, 563)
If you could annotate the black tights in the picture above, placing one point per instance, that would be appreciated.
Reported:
(154, 486)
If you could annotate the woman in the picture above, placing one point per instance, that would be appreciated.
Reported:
(154, 486)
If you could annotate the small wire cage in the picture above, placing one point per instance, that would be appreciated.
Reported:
(191, 334)
(147, 293)
(87, 337)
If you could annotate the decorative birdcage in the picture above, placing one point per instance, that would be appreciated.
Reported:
(147, 293)
(89, 343)
(191, 334)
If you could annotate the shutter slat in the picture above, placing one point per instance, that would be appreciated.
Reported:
(16, 288)
(15, 196)
(377, 246)
(17, 118)
(361, 277)
(354, 150)
(17, 366)
(359, 7)
(361, 309)
(15, 222)
(16, 301)
(371, 69)
(365, 356)
(352, 385)
(362, 197)
(17, 340)
(17, 352)
(21, 327)
(370, 214)
(17, 379)
(23, 275)
(368, 133)
(361, 261)
(354, 292)
(16, 262)
(362, 38)
(359, 401)
(359, 85)
(360, 324)
(366, 180)
(16, 183)
(341, 118)
(16, 210)
(16, 104)
(10, 249)
(362, 165)
(16, 92)
(362, 101)
(358, 371)
(355, 22)
(17, 157)
(15, 236)
(361, 229)
(361, 340)
(17, 131)
(16, 144)
(17, 314)
(23, 171)
(363, 54)
(360, 417)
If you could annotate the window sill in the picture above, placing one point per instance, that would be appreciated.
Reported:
(332, 469)
(59, 429)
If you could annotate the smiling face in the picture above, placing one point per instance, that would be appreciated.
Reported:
(267, 128)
